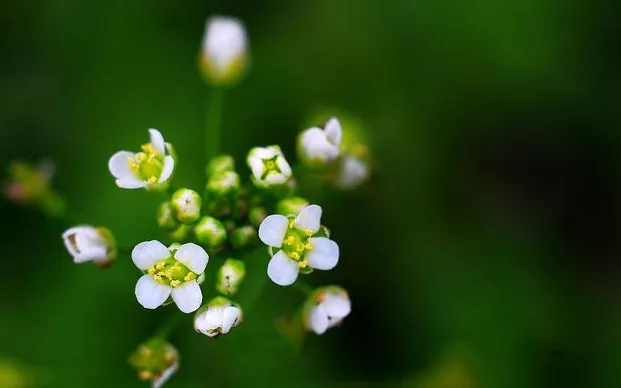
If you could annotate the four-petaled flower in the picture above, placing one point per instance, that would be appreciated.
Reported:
(218, 317)
(173, 271)
(300, 246)
(326, 308)
(150, 168)
(318, 146)
(87, 243)
(269, 166)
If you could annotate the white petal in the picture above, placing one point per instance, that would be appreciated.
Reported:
(282, 269)
(315, 145)
(309, 218)
(119, 164)
(192, 256)
(224, 40)
(273, 229)
(318, 320)
(70, 238)
(94, 253)
(273, 179)
(337, 306)
(230, 317)
(130, 182)
(283, 165)
(151, 294)
(324, 254)
(159, 382)
(209, 320)
(333, 131)
(167, 169)
(148, 253)
(157, 140)
(188, 296)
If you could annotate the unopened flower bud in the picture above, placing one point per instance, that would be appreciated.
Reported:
(230, 276)
(256, 215)
(222, 184)
(325, 308)
(211, 233)
(317, 147)
(87, 243)
(187, 205)
(219, 164)
(244, 237)
(166, 216)
(223, 57)
(217, 317)
(291, 206)
(155, 360)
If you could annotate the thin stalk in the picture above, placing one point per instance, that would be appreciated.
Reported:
(213, 127)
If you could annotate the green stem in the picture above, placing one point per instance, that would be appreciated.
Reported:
(164, 330)
(213, 124)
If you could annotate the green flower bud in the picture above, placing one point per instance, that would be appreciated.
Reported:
(187, 205)
(166, 216)
(230, 276)
(211, 233)
(220, 164)
(291, 205)
(224, 53)
(244, 237)
(222, 184)
(155, 360)
(256, 215)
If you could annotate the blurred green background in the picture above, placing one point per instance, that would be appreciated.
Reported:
(484, 252)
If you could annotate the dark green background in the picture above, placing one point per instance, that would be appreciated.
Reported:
(484, 253)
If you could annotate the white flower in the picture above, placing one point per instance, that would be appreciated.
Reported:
(354, 171)
(218, 317)
(149, 168)
(269, 166)
(326, 308)
(300, 247)
(318, 146)
(159, 381)
(224, 48)
(173, 271)
(87, 243)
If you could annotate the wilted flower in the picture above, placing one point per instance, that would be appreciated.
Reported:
(156, 360)
(299, 243)
(317, 147)
(224, 50)
(325, 308)
(87, 243)
(218, 317)
(150, 168)
(269, 166)
(172, 271)
(186, 204)
(230, 276)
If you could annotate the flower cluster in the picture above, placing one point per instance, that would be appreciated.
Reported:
(225, 218)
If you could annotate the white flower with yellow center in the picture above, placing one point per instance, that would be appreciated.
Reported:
(218, 317)
(150, 168)
(326, 308)
(300, 245)
(269, 166)
(87, 243)
(318, 146)
(224, 50)
(173, 271)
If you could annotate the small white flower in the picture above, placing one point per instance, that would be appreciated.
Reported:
(224, 48)
(300, 247)
(150, 168)
(87, 243)
(269, 166)
(218, 317)
(326, 308)
(173, 271)
(318, 146)
(354, 171)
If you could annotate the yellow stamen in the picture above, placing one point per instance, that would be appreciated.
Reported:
(189, 276)
(152, 180)
(295, 256)
(151, 271)
(308, 245)
(175, 283)
(308, 232)
(160, 265)
(303, 264)
(145, 375)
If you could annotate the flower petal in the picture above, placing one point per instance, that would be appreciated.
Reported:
(118, 164)
(324, 254)
(282, 269)
(188, 296)
(230, 318)
(273, 229)
(93, 253)
(148, 253)
(318, 319)
(130, 182)
(157, 140)
(151, 294)
(192, 256)
(333, 131)
(309, 218)
(159, 381)
(337, 306)
(167, 169)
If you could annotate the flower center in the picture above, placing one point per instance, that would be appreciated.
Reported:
(171, 272)
(296, 244)
(270, 166)
(148, 164)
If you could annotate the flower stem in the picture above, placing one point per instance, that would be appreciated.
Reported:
(213, 124)
(164, 330)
